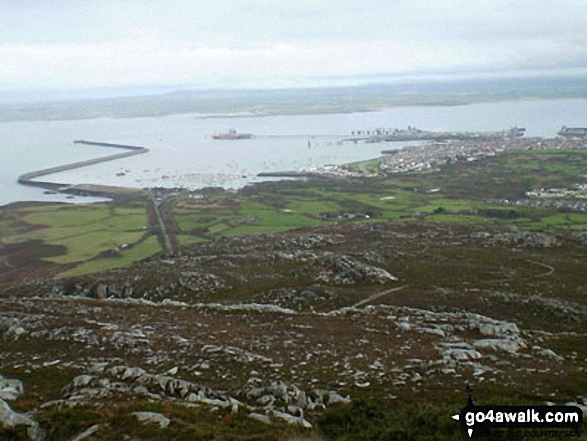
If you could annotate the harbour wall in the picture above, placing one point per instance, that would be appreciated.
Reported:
(30, 178)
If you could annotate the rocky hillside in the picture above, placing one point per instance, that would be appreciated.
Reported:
(272, 336)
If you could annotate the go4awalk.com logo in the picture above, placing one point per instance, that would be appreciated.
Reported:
(540, 421)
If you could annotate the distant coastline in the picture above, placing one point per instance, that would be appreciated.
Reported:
(262, 103)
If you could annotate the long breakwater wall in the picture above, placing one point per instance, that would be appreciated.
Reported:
(30, 178)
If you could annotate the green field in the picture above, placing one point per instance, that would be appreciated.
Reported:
(460, 194)
(85, 231)
(455, 193)
(91, 237)
(137, 252)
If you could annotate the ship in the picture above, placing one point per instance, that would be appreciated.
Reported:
(231, 134)
(515, 132)
(573, 132)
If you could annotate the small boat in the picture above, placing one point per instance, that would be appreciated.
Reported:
(231, 134)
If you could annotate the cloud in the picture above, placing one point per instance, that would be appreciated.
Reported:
(275, 64)
(230, 43)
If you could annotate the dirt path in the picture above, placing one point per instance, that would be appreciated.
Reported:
(377, 296)
(543, 265)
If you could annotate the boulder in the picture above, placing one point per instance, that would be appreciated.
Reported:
(10, 389)
(11, 329)
(260, 417)
(9, 394)
(346, 270)
(87, 433)
(498, 329)
(82, 380)
(498, 344)
(10, 419)
(300, 399)
(549, 353)
(334, 398)
(152, 417)
(172, 371)
(461, 354)
(290, 419)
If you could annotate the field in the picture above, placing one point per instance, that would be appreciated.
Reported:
(88, 237)
(456, 193)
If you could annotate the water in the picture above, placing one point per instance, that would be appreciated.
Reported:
(182, 153)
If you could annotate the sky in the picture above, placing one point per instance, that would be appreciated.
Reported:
(72, 44)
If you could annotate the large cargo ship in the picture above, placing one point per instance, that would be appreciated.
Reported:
(231, 134)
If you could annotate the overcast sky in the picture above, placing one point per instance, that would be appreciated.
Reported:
(278, 43)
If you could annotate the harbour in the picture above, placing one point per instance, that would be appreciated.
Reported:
(183, 155)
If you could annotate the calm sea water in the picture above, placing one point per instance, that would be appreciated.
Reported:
(182, 153)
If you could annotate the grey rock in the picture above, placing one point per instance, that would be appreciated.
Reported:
(549, 353)
(82, 380)
(87, 433)
(98, 368)
(260, 417)
(266, 400)
(11, 329)
(132, 373)
(497, 344)
(10, 419)
(500, 329)
(346, 270)
(301, 399)
(172, 371)
(234, 404)
(10, 389)
(434, 330)
(9, 394)
(461, 354)
(295, 411)
(290, 419)
(153, 417)
(279, 390)
(334, 398)
(102, 291)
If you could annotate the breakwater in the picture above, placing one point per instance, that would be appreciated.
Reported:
(30, 178)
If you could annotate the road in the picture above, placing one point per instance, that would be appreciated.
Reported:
(165, 234)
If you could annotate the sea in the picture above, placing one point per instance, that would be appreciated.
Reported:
(183, 153)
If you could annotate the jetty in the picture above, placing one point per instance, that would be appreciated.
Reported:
(30, 178)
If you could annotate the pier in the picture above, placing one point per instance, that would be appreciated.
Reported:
(299, 136)
(84, 189)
